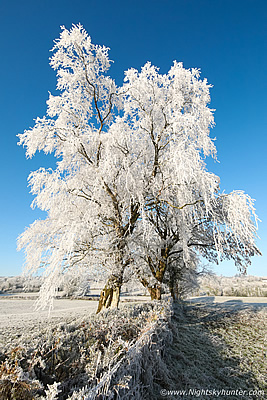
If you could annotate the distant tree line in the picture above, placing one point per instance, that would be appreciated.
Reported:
(238, 286)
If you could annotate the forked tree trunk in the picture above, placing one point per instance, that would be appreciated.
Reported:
(155, 292)
(110, 295)
(158, 271)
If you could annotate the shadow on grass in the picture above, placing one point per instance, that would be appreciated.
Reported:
(234, 303)
(195, 360)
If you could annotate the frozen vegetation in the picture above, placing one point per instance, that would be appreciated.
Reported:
(208, 284)
(71, 285)
(13, 284)
(217, 347)
(80, 357)
(131, 200)
(16, 313)
(137, 352)
(243, 286)
(131, 196)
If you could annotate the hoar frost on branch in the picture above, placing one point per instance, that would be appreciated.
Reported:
(131, 190)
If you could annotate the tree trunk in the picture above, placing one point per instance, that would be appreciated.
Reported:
(172, 292)
(176, 291)
(110, 295)
(155, 292)
(173, 287)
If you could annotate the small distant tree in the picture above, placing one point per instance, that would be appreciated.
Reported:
(131, 189)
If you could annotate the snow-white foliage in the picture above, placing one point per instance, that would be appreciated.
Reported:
(52, 392)
(126, 156)
(15, 284)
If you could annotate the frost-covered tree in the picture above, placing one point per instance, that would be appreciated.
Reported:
(185, 214)
(131, 182)
(90, 214)
(163, 260)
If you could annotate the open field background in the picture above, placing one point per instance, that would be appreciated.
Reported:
(17, 312)
(210, 285)
(241, 286)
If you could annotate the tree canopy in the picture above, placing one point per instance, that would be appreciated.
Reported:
(131, 191)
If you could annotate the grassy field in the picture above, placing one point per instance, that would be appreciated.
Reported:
(217, 351)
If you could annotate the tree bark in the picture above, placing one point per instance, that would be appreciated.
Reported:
(110, 295)
(155, 292)
(174, 292)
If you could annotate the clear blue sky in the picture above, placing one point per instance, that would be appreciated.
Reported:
(226, 39)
